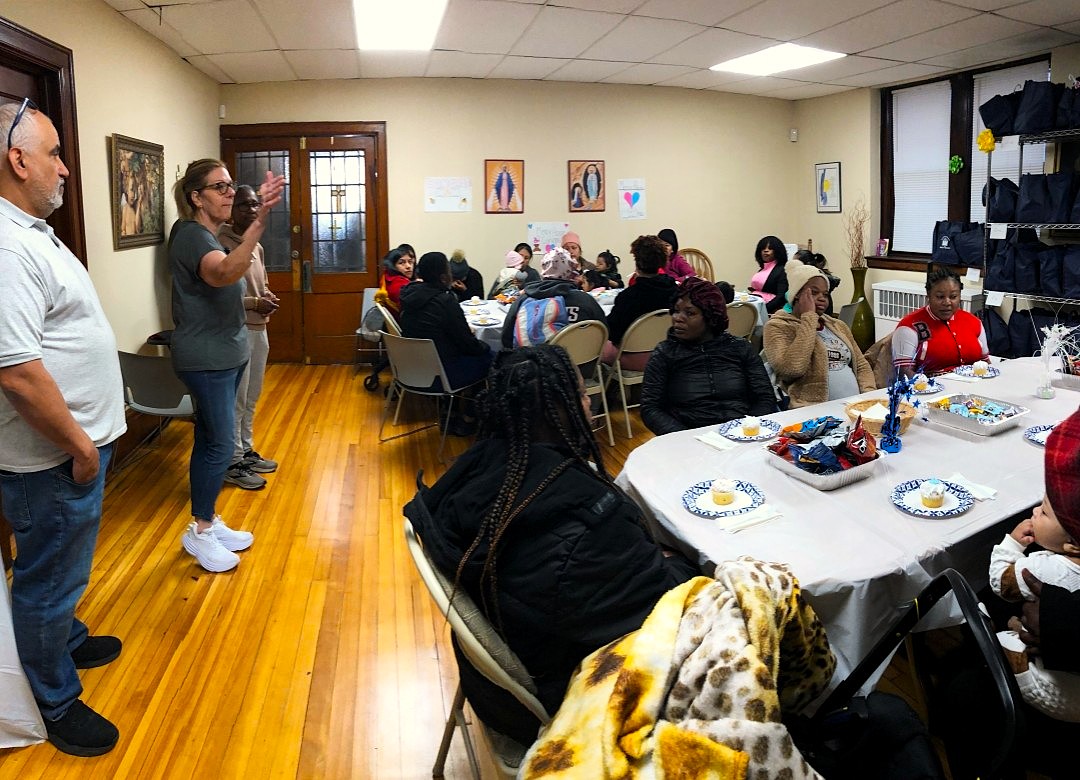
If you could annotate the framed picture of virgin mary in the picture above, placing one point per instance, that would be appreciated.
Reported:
(585, 185)
(504, 186)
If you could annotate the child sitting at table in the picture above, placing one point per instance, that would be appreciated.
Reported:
(1055, 527)
(607, 267)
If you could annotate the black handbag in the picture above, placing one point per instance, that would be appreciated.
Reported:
(999, 113)
(1068, 110)
(1037, 108)
(957, 243)
(1070, 272)
(1033, 203)
(1000, 197)
(1050, 262)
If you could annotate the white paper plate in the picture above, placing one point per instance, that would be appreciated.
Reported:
(474, 304)
(906, 497)
(698, 500)
(1037, 434)
(935, 386)
(483, 321)
(969, 371)
(732, 429)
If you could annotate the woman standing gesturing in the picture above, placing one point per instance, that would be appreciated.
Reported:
(209, 346)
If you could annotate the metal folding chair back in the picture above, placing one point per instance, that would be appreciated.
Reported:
(584, 341)
(742, 320)
(152, 387)
(643, 335)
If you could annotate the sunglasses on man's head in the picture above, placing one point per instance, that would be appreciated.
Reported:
(18, 118)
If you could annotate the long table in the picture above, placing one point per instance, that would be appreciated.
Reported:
(859, 559)
(492, 334)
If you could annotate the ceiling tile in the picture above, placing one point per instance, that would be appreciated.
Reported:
(324, 64)
(845, 66)
(149, 21)
(806, 91)
(647, 74)
(639, 39)
(707, 12)
(587, 70)
(885, 25)
(315, 24)
(1038, 41)
(911, 71)
(249, 67)
(526, 67)
(703, 79)
(711, 47)
(611, 6)
(224, 26)
(985, 5)
(1072, 27)
(203, 63)
(126, 5)
(985, 28)
(471, 25)
(785, 20)
(1049, 13)
(393, 64)
(564, 32)
(459, 64)
(756, 85)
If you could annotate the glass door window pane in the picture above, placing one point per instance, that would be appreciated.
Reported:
(339, 204)
(276, 239)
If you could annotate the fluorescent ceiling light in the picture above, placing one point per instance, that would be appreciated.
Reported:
(775, 59)
(397, 25)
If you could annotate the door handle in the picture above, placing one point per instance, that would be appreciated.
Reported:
(305, 276)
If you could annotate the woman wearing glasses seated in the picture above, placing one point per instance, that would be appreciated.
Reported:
(209, 344)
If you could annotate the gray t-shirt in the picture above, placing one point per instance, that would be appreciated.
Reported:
(842, 381)
(49, 311)
(210, 333)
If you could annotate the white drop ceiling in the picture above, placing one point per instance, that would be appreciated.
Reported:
(659, 42)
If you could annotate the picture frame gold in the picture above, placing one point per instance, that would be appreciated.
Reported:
(504, 186)
(586, 181)
(136, 192)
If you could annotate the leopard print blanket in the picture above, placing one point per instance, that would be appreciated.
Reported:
(698, 690)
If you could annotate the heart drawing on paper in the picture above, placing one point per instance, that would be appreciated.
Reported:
(631, 198)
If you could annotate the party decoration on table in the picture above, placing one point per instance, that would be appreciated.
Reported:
(1037, 434)
(837, 459)
(899, 390)
(808, 430)
(1059, 344)
(698, 499)
(909, 497)
(985, 141)
(735, 430)
(982, 372)
(956, 164)
(975, 414)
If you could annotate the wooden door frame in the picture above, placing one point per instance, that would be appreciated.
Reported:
(53, 65)
(324, 130)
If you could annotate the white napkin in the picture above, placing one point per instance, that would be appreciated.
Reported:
(979, 492)
(736, 523)
(715, 440)
(958, 378)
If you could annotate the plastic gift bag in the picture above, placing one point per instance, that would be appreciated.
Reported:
(1070, 272)
(1050, 262)
(1001, 199)
(20, 721)
(999, 113)
(1038, 104)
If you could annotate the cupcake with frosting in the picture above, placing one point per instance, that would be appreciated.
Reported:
(723, 491)
(932, 493)
(980, 368)
(751, 426)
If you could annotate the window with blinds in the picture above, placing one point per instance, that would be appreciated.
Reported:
(920, 143)
(1005, 160)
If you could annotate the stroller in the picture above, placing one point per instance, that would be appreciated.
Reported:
(880, 736)
(374, 320)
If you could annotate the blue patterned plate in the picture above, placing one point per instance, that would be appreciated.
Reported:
(969, 371)
(732, 429)
(933, 386)
(698, 500)
(1037, 434)
(905, 497)
(484, 321)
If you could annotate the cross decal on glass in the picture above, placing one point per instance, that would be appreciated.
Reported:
(337, 193)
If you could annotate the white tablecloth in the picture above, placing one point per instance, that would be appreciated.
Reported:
(20, 720)
(859, 559)
(492, 334)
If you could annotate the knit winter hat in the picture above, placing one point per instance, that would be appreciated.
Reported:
(459, 266)
(798, 274)
(571, 237)
(513, 259)
(1063, 474)
(557, 264)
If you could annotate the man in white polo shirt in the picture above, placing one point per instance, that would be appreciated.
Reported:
(61, 409)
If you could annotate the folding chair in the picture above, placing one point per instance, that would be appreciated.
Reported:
(584, 341)
(742, 319)
(488, 654)
(847, 312)
(416, 366)
(643, 335)
(364, 333)
(700, 262)
(390, 325)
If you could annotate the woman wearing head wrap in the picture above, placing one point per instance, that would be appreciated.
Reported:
(548, 306)
(815, 357)
(701, 374)
(465, 281)
(675, 265)
(769, 282)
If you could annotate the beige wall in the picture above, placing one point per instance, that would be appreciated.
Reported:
(130, 83)
(716, 166)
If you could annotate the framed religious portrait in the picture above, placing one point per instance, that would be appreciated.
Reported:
(827, 187)
(585, 184)
(136, 192)
(504, 186)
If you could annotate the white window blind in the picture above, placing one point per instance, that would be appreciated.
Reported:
(920, 163)
(1005, 161)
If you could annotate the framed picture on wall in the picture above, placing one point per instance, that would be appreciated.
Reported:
(585, 185)
(136, 191)
(504, 186)
(827, 187)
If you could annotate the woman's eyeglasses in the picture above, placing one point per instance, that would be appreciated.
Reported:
(220, 187)
(18, 117)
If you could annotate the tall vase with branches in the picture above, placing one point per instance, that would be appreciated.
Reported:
(856, 221)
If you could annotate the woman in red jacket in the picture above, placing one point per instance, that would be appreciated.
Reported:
(397, 272)
(940, 336)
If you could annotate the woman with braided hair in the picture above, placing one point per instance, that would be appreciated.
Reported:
(701, 374)
(555, 554)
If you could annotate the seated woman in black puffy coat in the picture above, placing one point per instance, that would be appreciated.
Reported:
(572, 566)
(701, 374)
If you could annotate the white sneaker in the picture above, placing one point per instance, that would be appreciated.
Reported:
(208, 551)
(230, 539)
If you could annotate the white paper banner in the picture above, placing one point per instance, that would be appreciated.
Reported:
(447, 193)
(632, 199)
(545, 236)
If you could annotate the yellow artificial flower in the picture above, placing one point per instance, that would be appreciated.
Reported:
(986, 141)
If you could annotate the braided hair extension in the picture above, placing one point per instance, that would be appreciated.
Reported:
(533, 395)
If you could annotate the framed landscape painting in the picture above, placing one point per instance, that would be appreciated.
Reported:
(137, 192)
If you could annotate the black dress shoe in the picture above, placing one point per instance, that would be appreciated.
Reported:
(96, 651)
(82, 732)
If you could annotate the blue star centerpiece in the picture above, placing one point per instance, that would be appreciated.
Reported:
(899, 390)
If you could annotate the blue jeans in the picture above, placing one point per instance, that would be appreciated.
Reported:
(56, 525)
(214, 394)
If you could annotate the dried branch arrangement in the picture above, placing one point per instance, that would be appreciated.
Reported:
(856, 221)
